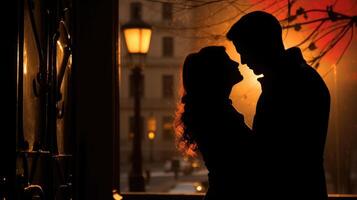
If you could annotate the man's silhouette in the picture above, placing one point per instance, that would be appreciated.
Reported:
(292, 112)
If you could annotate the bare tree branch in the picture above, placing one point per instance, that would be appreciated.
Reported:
(296, 18)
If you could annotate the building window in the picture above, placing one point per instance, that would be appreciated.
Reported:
(167, 128)
(167, 11)
(167, 86)
(132, 85)
(167, 46)
(135, 10)
(132, 127)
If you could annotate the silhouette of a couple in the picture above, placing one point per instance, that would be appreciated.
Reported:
(282, 156)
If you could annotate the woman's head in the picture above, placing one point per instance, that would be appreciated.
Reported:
(209, 73)
(207, 78)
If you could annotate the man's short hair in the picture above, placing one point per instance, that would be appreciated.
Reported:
(256, 28)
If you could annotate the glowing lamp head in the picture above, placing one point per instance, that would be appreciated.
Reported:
(137, 36)
(151, 125)
(151, 135)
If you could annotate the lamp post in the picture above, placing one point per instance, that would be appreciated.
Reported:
(137, 36)
(151, 125)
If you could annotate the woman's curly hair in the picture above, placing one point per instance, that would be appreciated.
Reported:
(197, 70)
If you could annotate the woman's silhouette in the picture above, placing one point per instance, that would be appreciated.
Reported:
(207, 123)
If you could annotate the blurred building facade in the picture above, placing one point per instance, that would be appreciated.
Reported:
(161, 74)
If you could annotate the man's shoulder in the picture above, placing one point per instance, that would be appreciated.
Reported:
(307, 73)
(298, 66)
(313, 81)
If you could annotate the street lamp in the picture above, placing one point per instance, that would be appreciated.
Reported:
(151, 125)
(137, 36)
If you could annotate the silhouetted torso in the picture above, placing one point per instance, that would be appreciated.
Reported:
(226, 145)
(291, 125)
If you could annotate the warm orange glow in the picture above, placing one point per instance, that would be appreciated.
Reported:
(199, 188)
(70, 61)
(195, 165)
(59, 45)
(151, 135)
(245, 94)
(167, 126)
(347, 7)
(116, 195)
(151, 124)
(25, 59)
(137, 39)
(60, 54)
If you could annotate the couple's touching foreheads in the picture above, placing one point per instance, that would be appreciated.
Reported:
(281, 156)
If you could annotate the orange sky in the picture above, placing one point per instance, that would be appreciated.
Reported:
(347, 7)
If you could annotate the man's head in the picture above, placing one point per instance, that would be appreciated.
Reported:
(257, 38)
